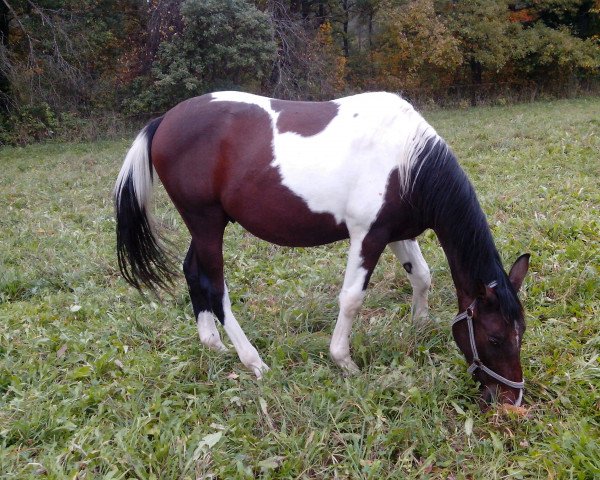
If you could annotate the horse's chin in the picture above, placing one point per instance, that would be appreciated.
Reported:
(491, 395)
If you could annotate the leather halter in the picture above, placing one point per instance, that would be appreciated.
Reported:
(468, 316)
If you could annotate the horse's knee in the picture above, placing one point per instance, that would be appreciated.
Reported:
(421, 283)
(350, 302)
(422, 278)
(418, 273)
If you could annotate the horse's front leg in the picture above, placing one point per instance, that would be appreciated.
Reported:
(409, 255)
(362, 258)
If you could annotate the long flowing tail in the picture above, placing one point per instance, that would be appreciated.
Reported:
(143, 260)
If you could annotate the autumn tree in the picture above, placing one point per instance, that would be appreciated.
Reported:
(58, 56)
(59, 52)
(414, 48)
(309, 63)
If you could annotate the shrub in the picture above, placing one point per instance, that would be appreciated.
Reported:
(223, 45)
(28, 123)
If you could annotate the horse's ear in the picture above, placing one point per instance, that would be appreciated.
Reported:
(518, 271)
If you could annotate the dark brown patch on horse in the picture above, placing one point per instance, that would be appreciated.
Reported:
(217, 155)
(304, 118)
(396, 220)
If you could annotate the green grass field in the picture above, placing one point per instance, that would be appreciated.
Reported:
(98, 382)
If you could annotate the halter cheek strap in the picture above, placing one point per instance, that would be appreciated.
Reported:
(468, 316)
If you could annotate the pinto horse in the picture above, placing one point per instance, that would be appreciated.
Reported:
(366, 167)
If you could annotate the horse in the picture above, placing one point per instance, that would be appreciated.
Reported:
(367, 168)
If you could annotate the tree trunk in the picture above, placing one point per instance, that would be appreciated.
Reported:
(476, 79)
(4, 81)
(346, 7)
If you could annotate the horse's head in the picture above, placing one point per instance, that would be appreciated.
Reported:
(489, 333)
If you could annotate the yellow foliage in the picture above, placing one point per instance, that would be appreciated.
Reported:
(414, 45)
(331, 54)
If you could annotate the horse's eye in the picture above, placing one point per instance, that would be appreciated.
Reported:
(495, 341)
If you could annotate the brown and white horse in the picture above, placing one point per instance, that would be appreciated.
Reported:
(366, 167)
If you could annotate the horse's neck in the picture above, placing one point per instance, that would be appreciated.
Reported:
(447, 203)
(471, 253)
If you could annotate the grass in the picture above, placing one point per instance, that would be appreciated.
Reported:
(98, 382)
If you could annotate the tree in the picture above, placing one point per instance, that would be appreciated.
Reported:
(308, 64)
(5, 18)
(554, 58)
(558, 44)
(414, 49)
(61, 52)
(487, 37)
(222, 45)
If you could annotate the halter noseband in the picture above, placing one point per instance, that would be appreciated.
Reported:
(468, 315)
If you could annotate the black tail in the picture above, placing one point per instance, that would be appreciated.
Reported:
(143, 260)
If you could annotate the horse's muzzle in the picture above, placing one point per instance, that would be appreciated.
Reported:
(498, 394)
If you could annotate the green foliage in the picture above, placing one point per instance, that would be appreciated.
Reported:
(224, 45)
(556, 54)
(40, 123)
(579, 16)
(65, 53)
(31, 122)
(97, 382)
(85, 58)
(486, 37)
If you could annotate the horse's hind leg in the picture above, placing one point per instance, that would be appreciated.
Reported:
(248, 354)
(200, 296)
(409, 255)
(208, 289)
(362, 258)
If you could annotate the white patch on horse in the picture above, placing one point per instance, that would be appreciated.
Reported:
(517, 333)
(420, 277)
(344, 169)
(208, 333)
(246, 351)
(350, 301)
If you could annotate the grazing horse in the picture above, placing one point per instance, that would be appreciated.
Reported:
(366, 167)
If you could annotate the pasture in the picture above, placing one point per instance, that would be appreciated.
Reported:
(99, 382)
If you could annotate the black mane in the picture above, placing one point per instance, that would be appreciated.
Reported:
(448, 204)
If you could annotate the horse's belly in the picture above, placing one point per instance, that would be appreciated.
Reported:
(274, 213)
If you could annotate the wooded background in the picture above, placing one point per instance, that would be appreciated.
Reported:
(65, 64)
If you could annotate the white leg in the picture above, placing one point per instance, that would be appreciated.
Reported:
(248, 354)
(409, 255)
(351, 298)
(207, 330)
